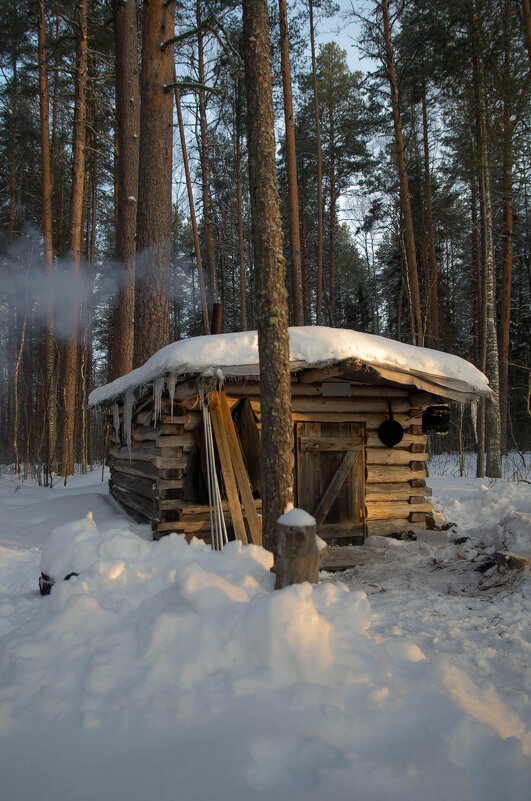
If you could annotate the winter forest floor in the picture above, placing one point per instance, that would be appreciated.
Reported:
(169, 671)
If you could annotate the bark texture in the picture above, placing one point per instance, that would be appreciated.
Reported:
(128, 130)
(204, 154)
(76, 236)
(405, 204)
(50, 393)
(191, 206)
(291, 167)
(272, 316)
(152, 328)
(319, 288)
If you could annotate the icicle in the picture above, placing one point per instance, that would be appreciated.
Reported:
(158, 389)
(116, 420)
(129, 400)
(474, 416)
(170, 382)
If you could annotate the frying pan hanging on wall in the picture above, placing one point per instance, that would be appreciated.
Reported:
(390, 431)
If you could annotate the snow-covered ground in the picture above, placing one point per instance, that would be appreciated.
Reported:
(167, 671)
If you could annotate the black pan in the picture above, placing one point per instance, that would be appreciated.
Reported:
(390, 431)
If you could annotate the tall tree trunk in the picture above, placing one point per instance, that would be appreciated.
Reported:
(13, 157)
(333, 223)
(304, 269)
(128, 130)
(272, 312)
(405, 204)
(204, 155)
(492, 423)
(50, 393)
(154, 218)
(432, 327)
(239, 208)
(191, 206)
(319, 280)
(507, 161)
(479, 313)
(291, 167)
(76, 237)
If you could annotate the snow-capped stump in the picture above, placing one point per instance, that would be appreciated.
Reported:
(345, 388)
(299, 550)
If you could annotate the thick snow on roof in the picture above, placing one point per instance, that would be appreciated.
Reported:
(237, 354)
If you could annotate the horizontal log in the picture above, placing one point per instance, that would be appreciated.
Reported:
(380, 510)
(147, 487)
(141, 506)
(419, 517)
(146, 417)
(393, 456)
(141, 452)
(387, 474)
(194, 420)
(353, 405)
(168, 528)
(338, 530)
(384, 528)
(315, 389)
(163, 462)
(141, 469)
(169, 484)
(184, 440)
(172, 474)
(191, 510)
(407, 441)
(395, 492)
(330, 443)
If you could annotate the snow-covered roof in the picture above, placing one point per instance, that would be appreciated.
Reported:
(310, 346)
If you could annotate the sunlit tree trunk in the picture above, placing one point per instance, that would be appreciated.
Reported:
(492, 412)
(432, 327)
(333, 223)
(76, 237)
(128, 136)
(319, 280)
(272, 312)
(50, 393)
(204, 155)
(239, 208)
(154, 217)
(405, 204)
(13, 156)
(507, 166)
(191, 206)
(291, 167)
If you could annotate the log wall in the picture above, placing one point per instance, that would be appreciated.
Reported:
(148, 478)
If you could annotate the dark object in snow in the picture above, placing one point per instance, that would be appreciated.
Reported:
(461, 540)
(390, 431)
(506, 560)
(486, 565)
(46, 582)
(436, 420)
(408, 536)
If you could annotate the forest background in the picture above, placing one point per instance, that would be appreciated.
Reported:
(125, 211)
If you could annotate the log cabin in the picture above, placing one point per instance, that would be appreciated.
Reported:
(183, 433)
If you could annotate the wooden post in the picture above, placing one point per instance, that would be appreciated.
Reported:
(299, 550)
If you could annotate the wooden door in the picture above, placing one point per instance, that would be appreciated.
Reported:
(330, 477)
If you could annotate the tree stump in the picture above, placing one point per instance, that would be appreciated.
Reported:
(299, 549)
